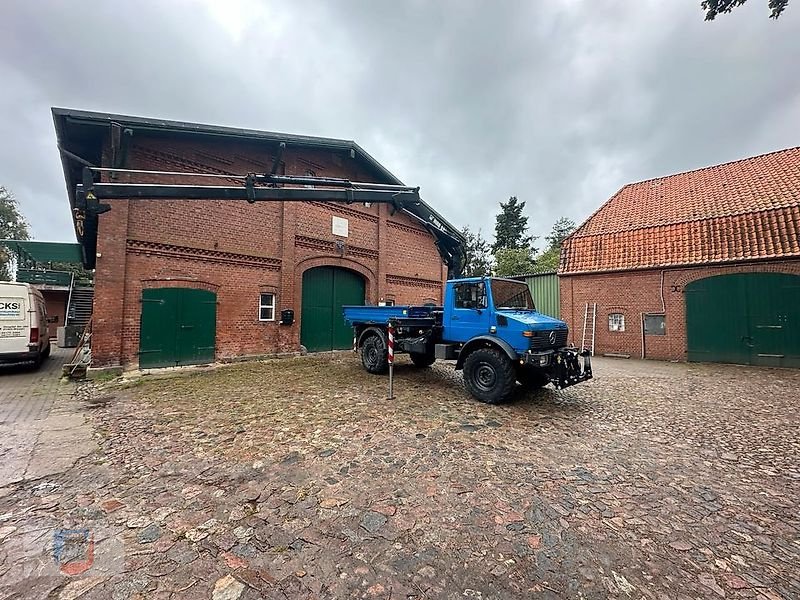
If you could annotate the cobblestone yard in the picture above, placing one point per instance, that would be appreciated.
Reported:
(297, 479)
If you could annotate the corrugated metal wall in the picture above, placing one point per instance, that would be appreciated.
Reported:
(544, 289)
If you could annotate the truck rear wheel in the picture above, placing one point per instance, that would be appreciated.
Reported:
(489, 375)
(422, 359)
(373, 355)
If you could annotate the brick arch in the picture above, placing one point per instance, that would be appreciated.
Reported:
(688, 276)
(179, 282)
(370, 280)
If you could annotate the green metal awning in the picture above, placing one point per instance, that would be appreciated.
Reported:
(45, 252)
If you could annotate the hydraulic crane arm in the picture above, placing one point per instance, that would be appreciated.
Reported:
(270, 187)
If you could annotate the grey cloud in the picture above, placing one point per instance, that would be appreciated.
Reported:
(557, 103)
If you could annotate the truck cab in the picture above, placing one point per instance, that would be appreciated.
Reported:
(500, 307)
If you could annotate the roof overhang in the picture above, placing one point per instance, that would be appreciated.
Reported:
(45, 252)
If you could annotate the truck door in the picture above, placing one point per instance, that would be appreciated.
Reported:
(469, 314)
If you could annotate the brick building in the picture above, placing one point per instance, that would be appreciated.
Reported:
(698, 266)
(190, 281)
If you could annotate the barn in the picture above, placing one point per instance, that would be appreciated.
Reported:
(698, 266)
(189, 281)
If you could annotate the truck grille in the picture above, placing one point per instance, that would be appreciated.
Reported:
(541, 339)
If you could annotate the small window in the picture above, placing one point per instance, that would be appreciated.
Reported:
(266, 308)
(655, 325)
(387, 302)
(471, 295)
(616, 322)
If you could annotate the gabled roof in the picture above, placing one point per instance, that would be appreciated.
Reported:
(81, 136)
(743, 210)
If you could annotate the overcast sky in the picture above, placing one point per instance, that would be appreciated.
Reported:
(559, 103)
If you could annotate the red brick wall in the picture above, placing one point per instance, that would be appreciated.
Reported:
(55, 302)
(239, 250)
(636, 292)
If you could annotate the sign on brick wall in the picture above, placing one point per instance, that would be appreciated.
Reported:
(340, 226)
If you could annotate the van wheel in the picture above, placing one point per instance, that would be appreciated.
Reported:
(46, 353)
(373, 355)
(489, 375)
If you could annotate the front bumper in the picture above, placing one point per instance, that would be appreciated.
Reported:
(562, 366)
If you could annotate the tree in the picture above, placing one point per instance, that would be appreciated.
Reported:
(549, 259)
(514, 261)
(12, 227)
(717, 7)
(510, 226)
(478, 261)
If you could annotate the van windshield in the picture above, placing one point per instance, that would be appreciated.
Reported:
(513, 295)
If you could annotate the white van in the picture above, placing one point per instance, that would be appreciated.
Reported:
(23, 324)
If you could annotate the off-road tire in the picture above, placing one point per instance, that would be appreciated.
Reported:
(422, 359)
(489, 375)
(532, 379)
(374, 356)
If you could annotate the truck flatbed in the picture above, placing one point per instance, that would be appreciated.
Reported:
(381, 315)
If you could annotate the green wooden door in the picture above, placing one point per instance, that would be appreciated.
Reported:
(325, 291)
(744, 318)
(178, 327)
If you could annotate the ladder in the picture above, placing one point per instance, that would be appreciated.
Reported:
(590, 312)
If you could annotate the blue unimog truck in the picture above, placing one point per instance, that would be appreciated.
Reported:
(488, 325)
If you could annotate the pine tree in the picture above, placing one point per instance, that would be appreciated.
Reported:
(510, 226)
(478, 260)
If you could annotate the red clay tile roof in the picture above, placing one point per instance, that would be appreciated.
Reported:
(744, 210)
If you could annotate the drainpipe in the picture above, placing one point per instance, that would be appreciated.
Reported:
(641, 315)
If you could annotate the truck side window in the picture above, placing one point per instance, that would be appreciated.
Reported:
(471, 295)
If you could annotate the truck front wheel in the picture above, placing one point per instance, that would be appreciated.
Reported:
(373, 355)
(422, 359)
(489, 375)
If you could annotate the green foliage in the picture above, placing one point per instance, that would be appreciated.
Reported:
(510, 226)
(514, 261)
(478, 255)
(717, 7)
(549, 259)
(12, 227)
(76, 269)
(562, 228)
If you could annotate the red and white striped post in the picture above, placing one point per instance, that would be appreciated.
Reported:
(390, 358)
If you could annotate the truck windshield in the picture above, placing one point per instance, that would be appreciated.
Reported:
(511, 295)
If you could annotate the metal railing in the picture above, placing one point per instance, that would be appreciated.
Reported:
(60, 278)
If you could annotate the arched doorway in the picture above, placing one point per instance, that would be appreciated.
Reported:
(744, 318)
(325, 291)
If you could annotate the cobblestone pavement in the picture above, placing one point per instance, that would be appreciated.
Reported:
(41, 433)
(27, 394)
(297, 479)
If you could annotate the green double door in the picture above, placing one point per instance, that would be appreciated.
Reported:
(325, 291)
(178, 327)
(744, 318)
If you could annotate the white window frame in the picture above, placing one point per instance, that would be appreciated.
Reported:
(616, 322)
(262, 306)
